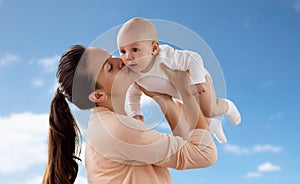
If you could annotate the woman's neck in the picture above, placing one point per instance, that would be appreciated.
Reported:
(116, 105)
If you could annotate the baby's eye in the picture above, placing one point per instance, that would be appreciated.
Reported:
(134, 49)
(122, 51)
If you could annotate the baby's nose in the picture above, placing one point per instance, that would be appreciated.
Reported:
(129, 57)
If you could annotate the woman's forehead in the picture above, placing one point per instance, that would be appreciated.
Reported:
(96, 59)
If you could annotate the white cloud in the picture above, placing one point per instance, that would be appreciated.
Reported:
(267, 167)
(34, 180)
(266, 148)
(8, 58)
(255, 149)
(49, 64)
(52, 88)
(81, 180)
(37, 83)
(253, 175)
(236, 149)
(23, 135)
(38, 180)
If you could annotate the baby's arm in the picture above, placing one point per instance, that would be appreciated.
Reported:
(134, 102)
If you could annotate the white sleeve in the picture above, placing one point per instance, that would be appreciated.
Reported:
(196, 68)
(134, 100)
(192, 61)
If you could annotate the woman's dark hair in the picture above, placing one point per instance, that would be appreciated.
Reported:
(64, 139)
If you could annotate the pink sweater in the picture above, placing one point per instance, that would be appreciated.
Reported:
(123, 150)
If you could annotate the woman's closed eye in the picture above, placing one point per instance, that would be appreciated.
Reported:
(109, 67)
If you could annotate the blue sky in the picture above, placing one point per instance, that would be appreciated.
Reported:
(257, 43)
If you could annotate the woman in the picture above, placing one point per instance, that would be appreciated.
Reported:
(120, 149)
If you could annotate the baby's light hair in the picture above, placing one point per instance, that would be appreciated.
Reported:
(136, 29)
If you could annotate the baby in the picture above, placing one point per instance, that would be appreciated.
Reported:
(139, 49)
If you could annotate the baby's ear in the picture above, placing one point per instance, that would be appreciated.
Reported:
(155, 48)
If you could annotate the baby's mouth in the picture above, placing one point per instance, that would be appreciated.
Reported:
(132, 65)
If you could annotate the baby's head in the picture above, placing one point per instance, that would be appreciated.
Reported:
(138, 43)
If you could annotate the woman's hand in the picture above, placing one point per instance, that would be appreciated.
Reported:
(180, 79)
(170, 109)
(163, 100)
(190, 107)
(154, 95)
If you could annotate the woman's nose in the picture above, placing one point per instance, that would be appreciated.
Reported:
(121, 64)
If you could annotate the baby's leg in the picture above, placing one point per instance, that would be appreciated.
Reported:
(210, 105)
(214, 126)
(206, 97)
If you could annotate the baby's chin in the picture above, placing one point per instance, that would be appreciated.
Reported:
(134, 67)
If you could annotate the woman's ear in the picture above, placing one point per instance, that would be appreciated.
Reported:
(155, 48)
(97, 96)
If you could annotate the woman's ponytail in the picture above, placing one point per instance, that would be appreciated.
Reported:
(64, 139)
(63, 143)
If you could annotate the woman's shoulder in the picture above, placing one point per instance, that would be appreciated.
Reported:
(113, 120)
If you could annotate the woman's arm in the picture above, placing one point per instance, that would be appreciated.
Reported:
(193, 126)
(188, 114)
(170, 109)
(125, 140)
(191, 116)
